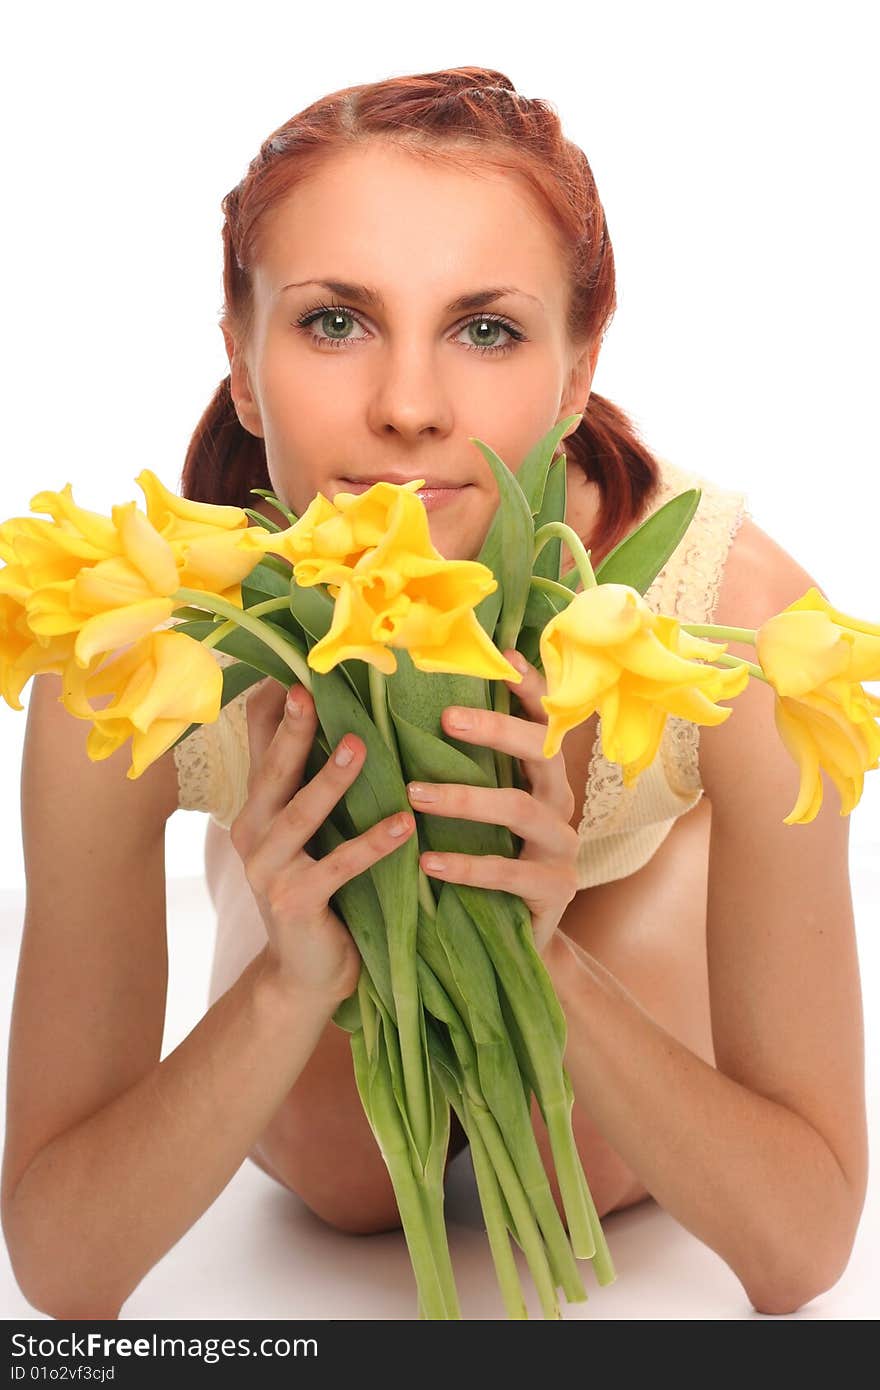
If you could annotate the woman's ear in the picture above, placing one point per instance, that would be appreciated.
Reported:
(580, 380)
(240, 387)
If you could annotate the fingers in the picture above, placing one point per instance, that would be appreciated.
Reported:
(537, 884)
(537, 824)
(546, 889)
(521, 738)
(530, 689)
(301, 817)
(345, 862)
(280, 734)
(281, 816)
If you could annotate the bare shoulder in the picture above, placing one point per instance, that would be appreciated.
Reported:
(760, 579)
(55, 753)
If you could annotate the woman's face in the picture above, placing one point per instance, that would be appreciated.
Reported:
(395, 388)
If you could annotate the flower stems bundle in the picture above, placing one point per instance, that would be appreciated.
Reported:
(454, 1009)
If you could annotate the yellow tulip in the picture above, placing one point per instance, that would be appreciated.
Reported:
(430, 614)
(810, 644)
(392, 587)
(162, 684)
(214, 546)
(815, 658)
(608, 651)
(327, 541)
(179, 518)
(107, 582)
(820, 734)
(22, 655)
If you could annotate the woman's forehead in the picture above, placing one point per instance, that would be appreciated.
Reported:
(371, 220)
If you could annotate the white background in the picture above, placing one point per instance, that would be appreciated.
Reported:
(735, 152)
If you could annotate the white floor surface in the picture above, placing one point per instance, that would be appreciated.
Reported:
(258, 1252)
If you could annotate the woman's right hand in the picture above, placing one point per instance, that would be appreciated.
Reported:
(310, 948)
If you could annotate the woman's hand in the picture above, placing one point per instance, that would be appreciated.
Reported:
(309, 946)
(544, 875)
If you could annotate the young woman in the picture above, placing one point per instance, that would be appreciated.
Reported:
(408, 265)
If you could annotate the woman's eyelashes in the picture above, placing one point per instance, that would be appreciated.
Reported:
(335, 311)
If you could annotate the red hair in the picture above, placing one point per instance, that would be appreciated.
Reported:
(459, 116)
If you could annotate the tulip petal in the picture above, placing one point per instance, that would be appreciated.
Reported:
(118, 627)
(168, 512)
(799, 650)
(146, 550)
(803, 750)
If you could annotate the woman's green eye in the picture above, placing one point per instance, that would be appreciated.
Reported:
(332, 319)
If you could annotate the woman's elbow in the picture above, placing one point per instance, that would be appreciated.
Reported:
(793, 1285)
(44, 1286)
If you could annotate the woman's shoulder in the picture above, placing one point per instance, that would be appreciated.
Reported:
(761, 578)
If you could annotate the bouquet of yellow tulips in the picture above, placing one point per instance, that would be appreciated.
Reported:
(454, 1008)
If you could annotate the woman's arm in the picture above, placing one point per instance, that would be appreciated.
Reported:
(110, 1154)
(765, 1158)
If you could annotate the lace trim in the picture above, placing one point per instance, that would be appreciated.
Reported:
(686, 588)
(209, 761)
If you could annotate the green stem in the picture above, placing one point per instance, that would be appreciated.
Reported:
(379, 702)
(725, 659)
(550, 586)
(493, 1210)
(272, 605)
(267, 633)
(402, 962)
(721, 634)
(480, 1118)
(503, 761)
(576, 547)
(374, 1085)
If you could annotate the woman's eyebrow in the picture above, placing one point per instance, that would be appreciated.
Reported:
(373, 299)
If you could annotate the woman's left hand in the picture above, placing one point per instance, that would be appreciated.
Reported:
(544, 875)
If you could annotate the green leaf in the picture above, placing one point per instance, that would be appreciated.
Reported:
(263, 521)
(265, 581)
(532, 473)
(245, 646)
(571, 578)
(434, 759)
(421, 696)
(487, 610)
(290, 518)
(640, 556)
(541, 607)
(521, 498)
(377, 791)
(357, 903)
(549, 562)
(196, 614)
(513, 521)
(348, 1014)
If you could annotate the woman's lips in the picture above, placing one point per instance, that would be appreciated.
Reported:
(431, 496)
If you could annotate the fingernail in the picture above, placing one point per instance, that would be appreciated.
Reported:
(519, 662)
(344, 755)
(433, 861)
(418, 792)
(400, 826)
(293, 706)
(460, 718)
